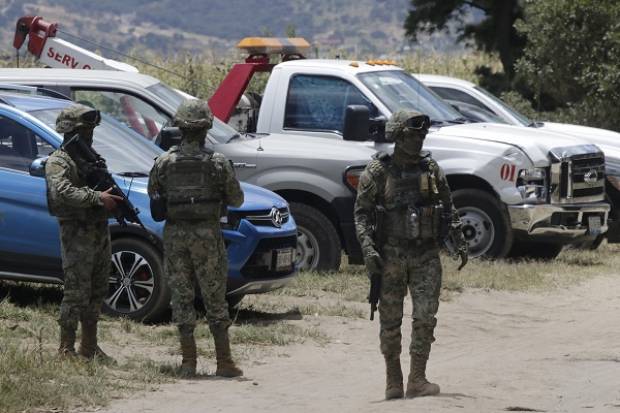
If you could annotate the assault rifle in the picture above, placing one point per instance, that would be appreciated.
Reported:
(375, 278)
(99, 179)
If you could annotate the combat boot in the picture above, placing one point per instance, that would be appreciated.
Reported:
(394, 377)
(417, 385)
(67, 342)
(225, 365)
(188, 351)
(88, 344)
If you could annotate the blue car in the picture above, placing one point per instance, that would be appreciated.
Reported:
(260, 235)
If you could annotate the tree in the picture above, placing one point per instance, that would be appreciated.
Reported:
(572, 58)
(494, 33)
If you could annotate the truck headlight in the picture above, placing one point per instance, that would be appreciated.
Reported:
(614, 180)
(352, 176)
(532, 185)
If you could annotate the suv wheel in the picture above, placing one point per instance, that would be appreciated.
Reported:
(318, 243)
(486, 225)
(137, 287)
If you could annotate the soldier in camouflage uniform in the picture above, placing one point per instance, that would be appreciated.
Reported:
(84, 236)
(196, 186)
(402, 213)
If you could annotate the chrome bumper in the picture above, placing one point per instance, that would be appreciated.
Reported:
(563, 221)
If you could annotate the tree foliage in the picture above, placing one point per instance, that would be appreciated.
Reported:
(495, 32)
(572, 57)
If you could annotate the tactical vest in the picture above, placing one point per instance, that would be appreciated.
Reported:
(412, 207)
(194, 187)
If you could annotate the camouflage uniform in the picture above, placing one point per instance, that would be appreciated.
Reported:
(84, 236)
(403, 249)
(197, 185)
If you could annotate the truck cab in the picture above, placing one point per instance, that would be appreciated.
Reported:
(516, 189)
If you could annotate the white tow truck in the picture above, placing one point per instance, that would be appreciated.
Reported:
(517, 190)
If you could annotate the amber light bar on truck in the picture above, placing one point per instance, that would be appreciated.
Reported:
(296, 46)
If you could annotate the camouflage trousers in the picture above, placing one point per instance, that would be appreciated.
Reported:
(418, 270)
(194, 253)
(86, 258)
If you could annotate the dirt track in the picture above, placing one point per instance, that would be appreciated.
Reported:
(553, 352)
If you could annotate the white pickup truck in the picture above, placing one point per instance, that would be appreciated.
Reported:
(466, 96)
(518, 190)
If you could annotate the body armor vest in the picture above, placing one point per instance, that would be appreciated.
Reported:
(193, 187)
(413, 210)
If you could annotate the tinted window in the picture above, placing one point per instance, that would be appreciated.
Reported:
(319, 102)
(19, 146)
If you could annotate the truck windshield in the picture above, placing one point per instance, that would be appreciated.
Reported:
(519, 117)
(398, 90)
(123, 149)
(167, 94)
(220, 132)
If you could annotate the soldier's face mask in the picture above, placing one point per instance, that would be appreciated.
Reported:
(410, 143)
(91, 118)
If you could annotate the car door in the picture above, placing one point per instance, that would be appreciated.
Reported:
(29, 237)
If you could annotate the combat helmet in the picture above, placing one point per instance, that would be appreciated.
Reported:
(76, 116)
(193, 114)
(403, 121)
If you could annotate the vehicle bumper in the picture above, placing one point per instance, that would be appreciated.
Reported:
(251, 257)
(557, 223)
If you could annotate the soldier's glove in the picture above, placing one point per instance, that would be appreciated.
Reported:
(464, 258)
(374, 263)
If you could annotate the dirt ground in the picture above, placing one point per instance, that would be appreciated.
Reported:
(495, 351)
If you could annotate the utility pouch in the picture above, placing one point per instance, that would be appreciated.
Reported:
(158, 208)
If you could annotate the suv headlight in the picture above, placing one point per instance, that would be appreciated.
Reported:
(532, 185)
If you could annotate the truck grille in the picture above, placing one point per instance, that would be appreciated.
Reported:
(577, 174)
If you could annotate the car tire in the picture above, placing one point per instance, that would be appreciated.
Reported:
(318, 243)
(536, 250)
(145, 296)
(486, 224)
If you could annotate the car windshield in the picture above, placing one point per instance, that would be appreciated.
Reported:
(124, 150)
(519, 117)
(399, 90)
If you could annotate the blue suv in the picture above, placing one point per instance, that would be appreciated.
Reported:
(260, 235)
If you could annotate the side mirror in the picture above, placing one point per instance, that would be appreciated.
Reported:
(168, 137)
(37, 167)
(356, 123)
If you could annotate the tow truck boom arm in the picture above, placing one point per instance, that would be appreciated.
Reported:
(55, 52)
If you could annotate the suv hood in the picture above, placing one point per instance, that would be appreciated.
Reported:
(608, 141)
(535, 143)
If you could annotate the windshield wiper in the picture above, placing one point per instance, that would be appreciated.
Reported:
(232, 138)
(536, 124)
(133, 174)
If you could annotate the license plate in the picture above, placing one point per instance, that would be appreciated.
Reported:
(594, 225)
(284, 259)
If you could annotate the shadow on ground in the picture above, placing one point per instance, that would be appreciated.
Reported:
(30, 295)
